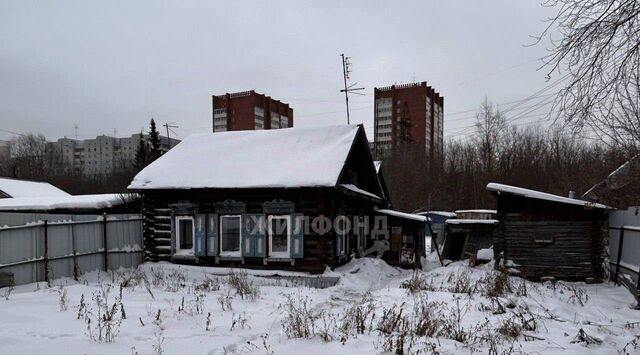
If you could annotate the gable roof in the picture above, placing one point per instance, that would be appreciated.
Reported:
(292, 157)
(22, 188)
(519, 191)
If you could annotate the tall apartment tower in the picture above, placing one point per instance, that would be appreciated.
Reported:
(408, 114)
(249, 110)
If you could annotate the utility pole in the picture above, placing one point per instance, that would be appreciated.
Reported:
(346, 69)
(168, 126)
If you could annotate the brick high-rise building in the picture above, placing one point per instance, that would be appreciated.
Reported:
(408, 114)
(249, 110)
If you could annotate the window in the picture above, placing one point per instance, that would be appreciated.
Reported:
(279, 233)
(230, 235)
(184, 235)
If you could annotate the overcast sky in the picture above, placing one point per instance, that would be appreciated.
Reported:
(114, 65)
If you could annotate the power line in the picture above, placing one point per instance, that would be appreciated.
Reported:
(11, 132)
(521, 115)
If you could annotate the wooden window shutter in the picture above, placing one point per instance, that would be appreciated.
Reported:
(200, 235)
(253, 235)
(212, 234)
(246, 236)
(173, 233)
(297, 235)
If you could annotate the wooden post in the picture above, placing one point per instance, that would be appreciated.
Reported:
(104, 241)
(74, 251)
(46, 252)
(620, 241)
(435, 242)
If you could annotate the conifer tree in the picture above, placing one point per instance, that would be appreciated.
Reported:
(154, 141)
(141, 153)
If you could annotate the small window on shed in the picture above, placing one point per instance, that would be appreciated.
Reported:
(544, 239)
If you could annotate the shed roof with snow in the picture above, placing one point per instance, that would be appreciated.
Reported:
(292, 157)
(14, 188)
(404, 215)
(96, 202)
(519, 191)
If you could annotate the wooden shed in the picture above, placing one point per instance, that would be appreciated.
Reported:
(405, 236)
(464, 237)
(263, 199)
(436, 230)
(541, 234)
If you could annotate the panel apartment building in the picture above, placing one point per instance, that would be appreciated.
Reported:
(102, 155)
(408, 114)
(249, 110)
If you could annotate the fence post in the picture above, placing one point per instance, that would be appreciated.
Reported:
(46, 251)
(104, 241)
(75, 252)
(620, 241)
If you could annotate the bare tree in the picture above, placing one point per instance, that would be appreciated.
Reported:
(29, 157)
(490, 127)
(598, 55)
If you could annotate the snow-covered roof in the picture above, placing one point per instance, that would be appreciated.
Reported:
(49, 203)
(378, 165)
(471, 221)
(500, 188)
(292, 157)
(22, 188)
(477, 211)
(354, 188)
(412, 216)
(440, 213)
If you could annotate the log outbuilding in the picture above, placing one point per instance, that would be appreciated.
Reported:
(544, 235)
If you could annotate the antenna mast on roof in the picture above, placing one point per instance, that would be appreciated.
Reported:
(168, 126)
(75, 127)
(346, 69)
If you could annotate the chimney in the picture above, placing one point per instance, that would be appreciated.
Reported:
(572, 194)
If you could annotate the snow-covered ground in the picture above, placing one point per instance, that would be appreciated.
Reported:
(174, 309)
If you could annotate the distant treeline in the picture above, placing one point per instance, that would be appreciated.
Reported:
(550, 159)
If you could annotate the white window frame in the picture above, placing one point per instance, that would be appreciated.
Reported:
(180, 251)
(343, 245)
(279, 254)
(231, 253)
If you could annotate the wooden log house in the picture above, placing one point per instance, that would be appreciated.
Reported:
(541, 234)
(262, 199)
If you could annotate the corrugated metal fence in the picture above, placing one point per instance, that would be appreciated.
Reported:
(40, 247)
(624, 244)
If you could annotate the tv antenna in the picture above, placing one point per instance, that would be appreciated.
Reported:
(346, 70)
(169, 127)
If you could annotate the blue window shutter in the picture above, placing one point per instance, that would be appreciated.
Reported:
(201, 235)
(297, 235)
(212, 235)
(247, 236)
(253, 235)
